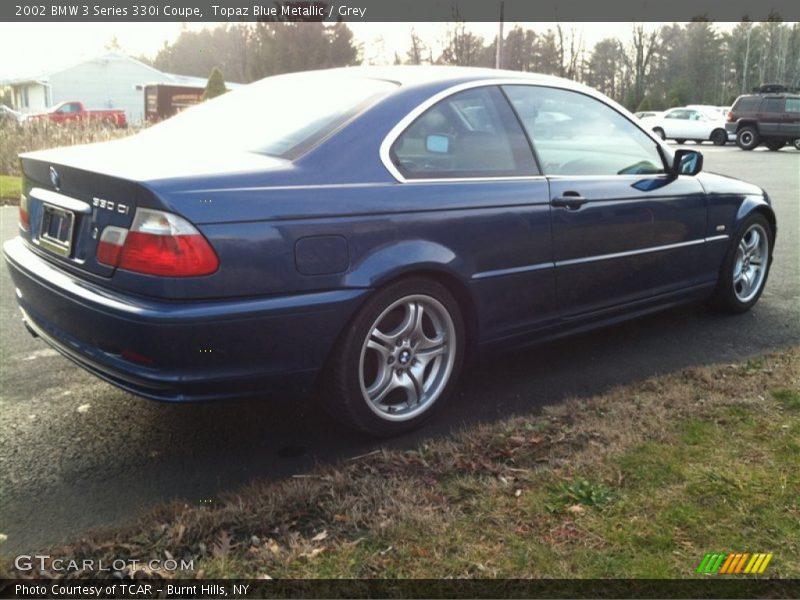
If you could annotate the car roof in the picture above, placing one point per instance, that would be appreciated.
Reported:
(425, 75)
(770, 95)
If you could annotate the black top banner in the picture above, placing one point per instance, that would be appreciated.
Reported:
(398, 11)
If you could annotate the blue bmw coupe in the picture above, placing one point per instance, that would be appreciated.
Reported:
(363, 230)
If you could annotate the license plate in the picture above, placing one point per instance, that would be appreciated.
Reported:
(56, 232)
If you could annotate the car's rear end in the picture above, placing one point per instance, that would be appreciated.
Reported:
(131, 262)
(102, 273)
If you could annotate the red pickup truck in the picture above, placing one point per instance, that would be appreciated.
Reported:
(73, 110)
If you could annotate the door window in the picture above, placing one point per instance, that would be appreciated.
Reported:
(470, 134)
(575, 134)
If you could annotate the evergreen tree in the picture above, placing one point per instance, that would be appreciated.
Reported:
(215, 86)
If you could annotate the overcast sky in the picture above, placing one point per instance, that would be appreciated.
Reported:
(28, 49)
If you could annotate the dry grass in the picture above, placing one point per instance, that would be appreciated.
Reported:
(39, 135)
(638, 482)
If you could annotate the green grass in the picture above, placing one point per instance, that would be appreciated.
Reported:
(10, 189)
(640, 482)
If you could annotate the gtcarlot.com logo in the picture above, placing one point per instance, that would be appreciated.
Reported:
(27, 562)
(734, 563)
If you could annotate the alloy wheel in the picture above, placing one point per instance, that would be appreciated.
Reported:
(407, 358)
(750, 265)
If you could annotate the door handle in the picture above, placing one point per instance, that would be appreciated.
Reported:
(570, 201)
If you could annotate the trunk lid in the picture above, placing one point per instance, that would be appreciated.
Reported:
(68, 208)
(74, 193)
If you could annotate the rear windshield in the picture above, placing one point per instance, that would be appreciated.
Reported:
(279, 116)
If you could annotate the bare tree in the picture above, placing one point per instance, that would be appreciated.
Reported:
(638, 60)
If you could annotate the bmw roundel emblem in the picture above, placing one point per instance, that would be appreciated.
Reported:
(54, 178)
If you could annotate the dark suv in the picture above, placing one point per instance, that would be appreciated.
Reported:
(771, 118)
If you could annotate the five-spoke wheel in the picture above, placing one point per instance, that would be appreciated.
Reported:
(750, 266)
(399, 358)
(407, 358)
(746, 266)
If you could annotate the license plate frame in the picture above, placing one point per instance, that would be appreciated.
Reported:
(58, 226)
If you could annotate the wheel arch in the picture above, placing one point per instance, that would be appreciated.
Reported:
(742, 123)
(419, 258)
(753, 205)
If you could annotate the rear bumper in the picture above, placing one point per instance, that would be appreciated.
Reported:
(180, 351)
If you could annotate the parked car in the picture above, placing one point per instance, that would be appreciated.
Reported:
(365, 245)
(648, 113)
(64, 112)
(697, 124)
(768, 118)
(9, 115)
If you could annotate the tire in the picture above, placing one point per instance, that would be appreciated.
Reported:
(747, 138)
(719, 137)
(659, 132)
(775, 145)
(681, 141)
(797, 143)
(378, 379)
(750, 252)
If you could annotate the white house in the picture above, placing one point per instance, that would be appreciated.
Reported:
(112, 80)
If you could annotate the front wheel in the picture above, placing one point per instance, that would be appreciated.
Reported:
(797, 143)
(398, 360)
(681, 141)
(660, 133)
(746, 267)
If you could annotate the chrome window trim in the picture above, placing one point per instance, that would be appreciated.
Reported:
(391, 137)
(597, 258)
(61, 201)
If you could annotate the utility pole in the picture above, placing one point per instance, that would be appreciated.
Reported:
(498, 56)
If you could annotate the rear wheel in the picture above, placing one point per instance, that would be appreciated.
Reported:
(681, 141)
(719, 137)
(797, 143)
(659, 132)
(775, 145)
(399, 360)
(746, 266)
(747, 138)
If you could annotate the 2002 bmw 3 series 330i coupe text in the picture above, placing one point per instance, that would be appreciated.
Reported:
(361, 229)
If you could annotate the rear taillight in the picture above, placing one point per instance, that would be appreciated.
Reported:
(729, 117)
(158, 243)
(24, 219)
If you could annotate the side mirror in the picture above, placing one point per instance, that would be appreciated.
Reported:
(687, 162)
(437, 143)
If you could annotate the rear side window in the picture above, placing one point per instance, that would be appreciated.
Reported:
(772, 105)
(747, 104)
(679, 114)
(469, 134)
(793, 105)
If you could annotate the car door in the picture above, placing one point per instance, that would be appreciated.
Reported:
(676, 124)
(624, 228)
(790, 122)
